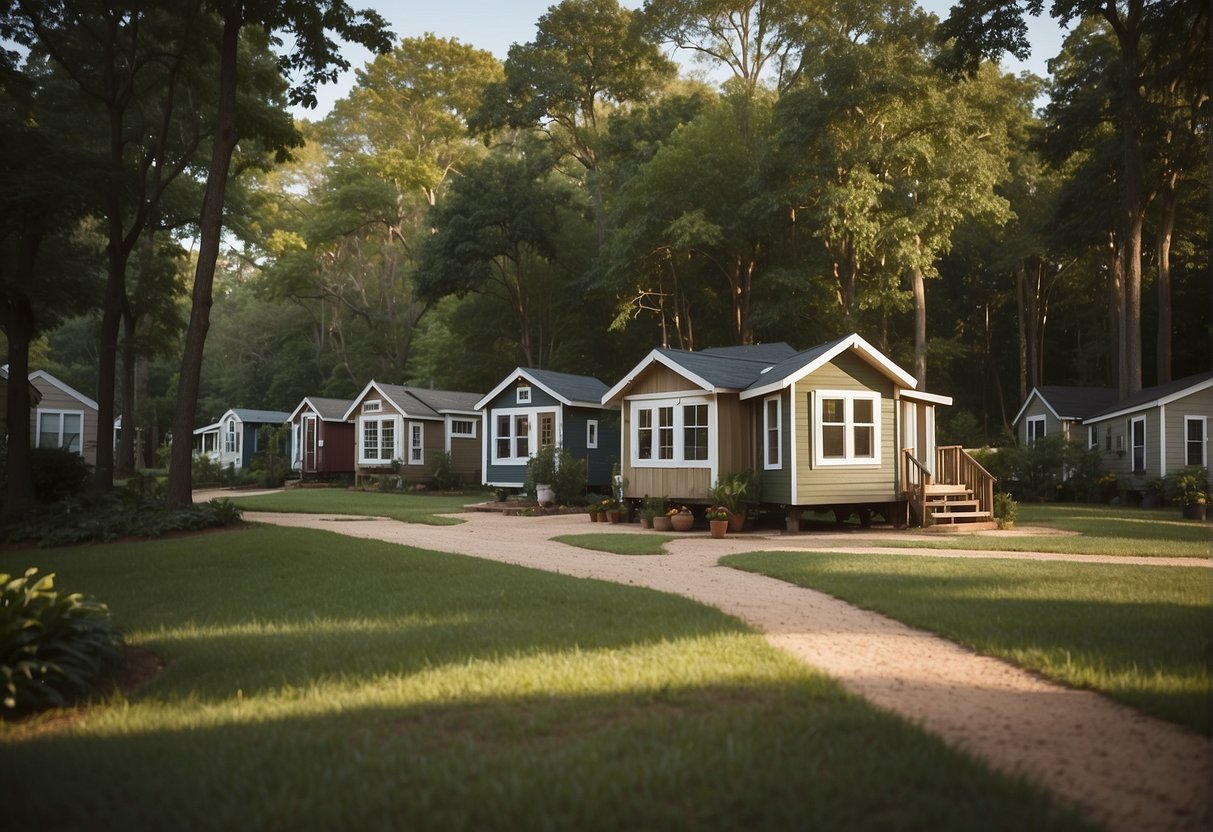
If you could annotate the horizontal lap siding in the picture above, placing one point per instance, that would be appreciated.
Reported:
(828, 485)
(1037, 408)
(1197, 404)
(774, 486)
(55, 399)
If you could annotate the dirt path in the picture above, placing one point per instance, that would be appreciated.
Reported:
(1126, 770)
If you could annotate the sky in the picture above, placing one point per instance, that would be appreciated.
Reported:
(497, 24)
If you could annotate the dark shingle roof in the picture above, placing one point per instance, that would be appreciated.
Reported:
(267, 416)
(330, 410)
(730, 367)
(1153, 394)
(790, 364)
(573, 387)
(1077, 402)
(421, 402)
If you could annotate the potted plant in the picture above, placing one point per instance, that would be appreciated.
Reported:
(681, 519)
(1192, 491)
(649, 509)
(1152, 494)
(661, 520)
(718, 520)
(730, 492)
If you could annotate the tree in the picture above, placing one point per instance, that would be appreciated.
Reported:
(316, 57)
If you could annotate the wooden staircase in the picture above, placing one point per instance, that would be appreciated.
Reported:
(959, 496)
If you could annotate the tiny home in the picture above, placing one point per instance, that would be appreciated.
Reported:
(398, 429)
(1155, 432)
(322, 440)
(1052, 410)
(31, 390)
(531, 409)
(836, 427)
(234, 440)
(63, 417)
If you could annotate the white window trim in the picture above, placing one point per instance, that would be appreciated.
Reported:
(591, 434)
(454, 434)
(374, 406)
(419, 446)
(523, 395)
(1092, 436)
(767, 464)
(1031, 420)
(1145, 457)
(678, 460)
(532, 438)
(397, 439)
(849, 397)
(230, 429)
(1203, 421)
(60, 413)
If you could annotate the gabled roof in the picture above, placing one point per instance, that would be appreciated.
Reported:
(1069, 402)
(419, 402)
(329, 410)
(1156, 396)
(795, 367)
(722, 369)
(567, 388)
(264, 416)
(35, 395)
(43, 375)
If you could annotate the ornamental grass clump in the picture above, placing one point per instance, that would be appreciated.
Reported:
(53, 645)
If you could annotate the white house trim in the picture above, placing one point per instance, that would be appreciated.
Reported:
(1203, 421)
(656, 356)
(1165, 400)
(61, 413)
(677, 459)
(848, 423)
(767, 428)
(851, 342)
(532, 414)
(71, 391)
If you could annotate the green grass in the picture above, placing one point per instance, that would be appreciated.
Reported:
(619, 544)
(320, 682)
(1103, 530)
(407, 508)
(1138, 634)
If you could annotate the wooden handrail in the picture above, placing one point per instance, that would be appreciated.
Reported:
(915, 477)
(955, 466)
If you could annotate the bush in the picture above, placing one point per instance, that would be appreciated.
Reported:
(59, 474)
(443, 471)
(1005, 510)
(111, 518)
(565, 473)
(52, 644)
(269, 467)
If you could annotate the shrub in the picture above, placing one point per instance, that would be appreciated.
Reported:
(111, 518)
(270, 466)
(565, 473)
(443, 471)
(58, 474)
(1005, 510)
(52, 644)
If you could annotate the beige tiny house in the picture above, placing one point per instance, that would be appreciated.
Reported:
(63, 417)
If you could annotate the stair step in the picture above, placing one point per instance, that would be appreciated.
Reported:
(948, 490)
(973, 504)
(961, 515)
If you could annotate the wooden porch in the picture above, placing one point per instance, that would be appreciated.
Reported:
(959, 496)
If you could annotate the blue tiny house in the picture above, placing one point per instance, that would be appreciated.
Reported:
(234, 441)
(531, 409)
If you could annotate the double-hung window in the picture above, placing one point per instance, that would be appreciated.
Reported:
(1196, 440)
(772, 434)
(1137, 441)
(60, 429)
(1035, 428)
(379, 440)
(231, 437)
(511, 438)
(846, 428)
(671, 433)
(416, 443)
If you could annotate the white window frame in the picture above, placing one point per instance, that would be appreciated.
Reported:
(379, 421)
(1092, 436)
(531, 414)
(374, 406)
(1030, 435)
(1133, 446)
(523, 395)
(849, 398)
(591, 434)
(677, 457)
(1203, 421)
(458, 434)
(60, 414)
(416, 448)
(769, 464)
(231, 437)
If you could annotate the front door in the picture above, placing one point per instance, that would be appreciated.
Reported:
(547, 429)
(309, 443)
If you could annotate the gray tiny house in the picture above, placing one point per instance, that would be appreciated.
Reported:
(531, 409)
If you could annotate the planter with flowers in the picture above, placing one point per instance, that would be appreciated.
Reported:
(718, 520)
(1192, 491)
(681, 519)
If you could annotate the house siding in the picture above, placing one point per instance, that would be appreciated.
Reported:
(846, 483)
(673, 483)
(465, 458)
(1120, 462)
(774, 486)
(1037, 408)
(1199, 404)
(55, 399)
(541, 400)
(337, 455)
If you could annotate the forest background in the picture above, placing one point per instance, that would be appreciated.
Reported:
(837, 166)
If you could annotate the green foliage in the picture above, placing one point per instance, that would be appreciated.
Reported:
(270, 466)
(1191, 485)
(565, 473)
(59, 474)
(652, 507)
(443, 471)
(1032, 472)
(52, 644)
(1005, 510)
(109, 518)
(732, 490)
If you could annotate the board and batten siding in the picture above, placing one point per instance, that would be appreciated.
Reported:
(674, 483)
(830, 485)
(775, 485)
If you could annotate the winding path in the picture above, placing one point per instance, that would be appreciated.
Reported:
(1127, 771)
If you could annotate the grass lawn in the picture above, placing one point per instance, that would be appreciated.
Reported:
(318, 682)
(1103, 530)
(407, 508)
(1138, 634)
(619, 544)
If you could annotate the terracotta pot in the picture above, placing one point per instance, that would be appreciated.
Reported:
(594, 517)
(646, 522)
(682, 522)
(614, 516)
(718, 527)
(1196, 511)
(661, 523)
(737, 521)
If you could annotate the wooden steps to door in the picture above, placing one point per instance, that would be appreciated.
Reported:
(952, 508)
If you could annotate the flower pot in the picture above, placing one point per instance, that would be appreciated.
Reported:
(614, 516)
(646, 522)
(737, 521)
(682, 522)
(1196, 511)
(718, 527)
(662, 523)
(595, 517)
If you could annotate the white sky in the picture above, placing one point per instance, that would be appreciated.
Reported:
(497, 24)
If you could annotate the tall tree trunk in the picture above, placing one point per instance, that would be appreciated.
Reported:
(1032, 299)
(1116, 316)
(211, 229)
(1166, 227)
(17, 318)
(920, 327)
(1021, 313)
(125, 463)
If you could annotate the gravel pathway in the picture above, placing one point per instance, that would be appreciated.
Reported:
(1127, 771)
